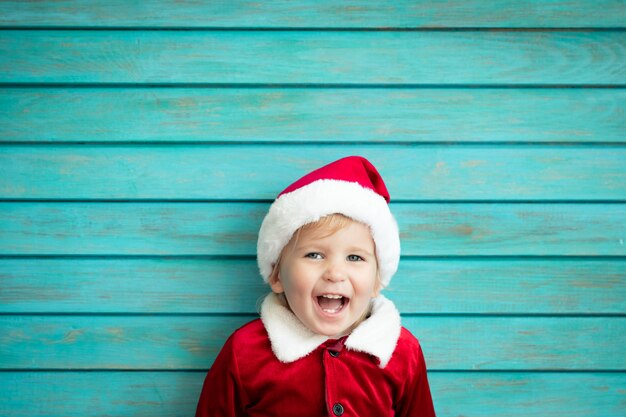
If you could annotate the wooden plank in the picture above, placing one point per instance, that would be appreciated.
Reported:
(314, 14)
(100, 394)
(528, 394)
(206, 285)
(301, 114)
(231, 229)
(319, 57)
(510, 286)
(192, 342)
(257, 171)
(171, 394)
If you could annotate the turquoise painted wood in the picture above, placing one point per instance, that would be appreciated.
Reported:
(227, 229)
(261, 171)
(314, 57)
(302, 115)
(314, 14)
(192, 342)
(136, 166)
(147, 394)
(209, 285)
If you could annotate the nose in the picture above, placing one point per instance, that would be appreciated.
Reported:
(335, 272)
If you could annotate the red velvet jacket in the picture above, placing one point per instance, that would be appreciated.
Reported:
(378, 370)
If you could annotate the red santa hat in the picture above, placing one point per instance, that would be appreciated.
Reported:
(350, 186)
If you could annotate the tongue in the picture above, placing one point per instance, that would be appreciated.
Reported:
(330, 303)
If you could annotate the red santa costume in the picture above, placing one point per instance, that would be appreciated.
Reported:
(276, 366)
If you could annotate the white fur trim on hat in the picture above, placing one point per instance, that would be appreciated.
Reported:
(321, 198)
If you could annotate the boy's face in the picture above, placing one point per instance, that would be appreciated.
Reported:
(329, 280)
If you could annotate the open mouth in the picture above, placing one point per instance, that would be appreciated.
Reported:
(332, 303)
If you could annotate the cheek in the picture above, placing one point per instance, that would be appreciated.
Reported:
(370, 285)
(294, 280)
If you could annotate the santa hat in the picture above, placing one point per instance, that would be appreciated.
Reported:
(350, 186)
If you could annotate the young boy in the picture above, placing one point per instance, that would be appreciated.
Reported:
(327, 343)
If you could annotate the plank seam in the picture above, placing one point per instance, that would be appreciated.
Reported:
(8, 84)
(251, 257)
(255, 315)
(264, 201)
(130, 28)
(430, 370)
(308, 142)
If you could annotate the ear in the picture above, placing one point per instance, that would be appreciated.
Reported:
(274, 280)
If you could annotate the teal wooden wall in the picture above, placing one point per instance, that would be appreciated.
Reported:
(142, 142)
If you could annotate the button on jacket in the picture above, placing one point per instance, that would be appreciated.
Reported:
(274, 366)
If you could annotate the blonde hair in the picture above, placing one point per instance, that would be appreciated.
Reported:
(321, 228)
(325, 226)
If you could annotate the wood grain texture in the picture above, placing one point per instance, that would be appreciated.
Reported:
(314, 14)
(192, 342)
(303, 57)
(232, 228)
(504, 161)
(312, 115)
(207, 285)
(261, 171)
(172, 394)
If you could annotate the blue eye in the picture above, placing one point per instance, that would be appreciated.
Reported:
(313, 255)
(354, 258)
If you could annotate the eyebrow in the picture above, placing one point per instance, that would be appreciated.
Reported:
(359, 249)
(317, 247)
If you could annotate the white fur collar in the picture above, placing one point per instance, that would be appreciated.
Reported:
(291, 340)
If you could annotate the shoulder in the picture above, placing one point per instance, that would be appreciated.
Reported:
(408, 352)
(407, 338)
(242, 345)
(252, 328)
(412, 396)
(250, 333)
(249, 344)
(407, 367)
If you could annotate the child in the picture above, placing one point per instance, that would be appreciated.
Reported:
(327, 344)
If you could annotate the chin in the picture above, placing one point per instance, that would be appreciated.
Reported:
(332, 331)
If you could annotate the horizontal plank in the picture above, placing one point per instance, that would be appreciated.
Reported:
(192, 342)
(301, 114)
(256, 171)
(313, 14)
(171, 394)
(327, 57)
(200, 285)
(232, 228)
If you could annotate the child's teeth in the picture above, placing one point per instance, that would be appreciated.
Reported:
(330, 303)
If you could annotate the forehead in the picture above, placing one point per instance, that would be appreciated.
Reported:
(349, 231)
